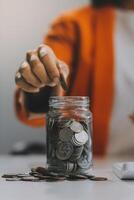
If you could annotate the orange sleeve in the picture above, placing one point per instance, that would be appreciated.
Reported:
(61, 38)
(22, 114)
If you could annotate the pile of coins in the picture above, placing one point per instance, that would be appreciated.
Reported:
(41, 174)
(69, 145)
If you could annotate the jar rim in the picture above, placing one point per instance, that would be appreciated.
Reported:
(70, 97)
(78, 101)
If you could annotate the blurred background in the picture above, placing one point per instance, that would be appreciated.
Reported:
(23, 24)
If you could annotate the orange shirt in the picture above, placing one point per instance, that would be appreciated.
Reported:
(84, 40)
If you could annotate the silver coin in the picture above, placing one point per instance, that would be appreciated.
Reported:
(80, 138)
(76, 127)
(76, 177)
(64, 150)
(9, 176)
(23, 175)
(88, 155)
(31, 179)
(95, 178)
(65, 134)
(74, 142)
(70, 166)
(77, 153)
(13, 179)
(83, 162)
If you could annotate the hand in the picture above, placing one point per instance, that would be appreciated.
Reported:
(40, 69)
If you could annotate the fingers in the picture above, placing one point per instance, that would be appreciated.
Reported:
(24, 85)
(49, 60)
(37, 67)
(40, 69)
(25, 71)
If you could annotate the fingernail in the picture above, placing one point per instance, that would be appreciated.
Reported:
(35, 91)
(24, 64)
(42, 85)
(51, 84)
(34, 58)
(18, 75)
(43, 52)
(56, 80)
(41, 45)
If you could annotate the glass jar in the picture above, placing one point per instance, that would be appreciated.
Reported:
(69, 135)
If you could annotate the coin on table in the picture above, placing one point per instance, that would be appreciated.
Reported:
(15, 175)
(76, 177)
(9, 176)
(83, 162)
(55, 179)
(41, 170)
(31, 179)
(80, 138)
(76, 127)
(23, 175)
(89, 176)
(98, 178)
(64, 150)
(33, 169)
(43, 177)
(65, 134)
(13, 179)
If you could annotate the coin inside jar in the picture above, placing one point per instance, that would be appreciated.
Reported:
(80, 138)
(83, 162)
(64, 150)
(77, 153)
(65, 134)
(76, 127)
(70, 166)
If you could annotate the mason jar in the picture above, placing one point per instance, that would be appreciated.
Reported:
(69, 135)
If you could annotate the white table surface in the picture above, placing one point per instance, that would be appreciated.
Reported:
(77, 190)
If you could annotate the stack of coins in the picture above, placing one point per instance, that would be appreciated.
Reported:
(69, 146)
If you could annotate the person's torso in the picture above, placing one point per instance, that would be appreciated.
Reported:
(121, 132)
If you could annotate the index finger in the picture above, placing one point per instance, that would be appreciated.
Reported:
(48, 59)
